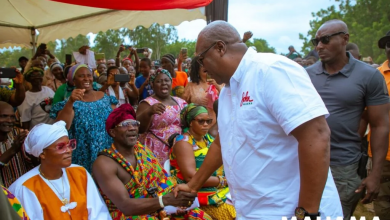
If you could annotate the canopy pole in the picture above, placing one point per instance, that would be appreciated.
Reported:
(33, 41)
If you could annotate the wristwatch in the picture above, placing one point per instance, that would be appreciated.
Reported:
(301, 213)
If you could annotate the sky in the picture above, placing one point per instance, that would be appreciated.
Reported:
(277, 21)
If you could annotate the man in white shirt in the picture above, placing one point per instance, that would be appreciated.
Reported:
(273, 137)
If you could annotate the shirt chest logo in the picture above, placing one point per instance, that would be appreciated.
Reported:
(246, 99)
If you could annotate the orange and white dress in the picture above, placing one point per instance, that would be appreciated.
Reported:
(43, 199)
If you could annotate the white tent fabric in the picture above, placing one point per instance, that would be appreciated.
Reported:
(56, 20)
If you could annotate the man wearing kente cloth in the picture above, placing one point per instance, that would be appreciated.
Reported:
(127, 172)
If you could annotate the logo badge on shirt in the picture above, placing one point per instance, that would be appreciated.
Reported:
(46, 104)
(246, 99)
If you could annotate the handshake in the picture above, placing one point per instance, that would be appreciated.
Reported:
(182, 196)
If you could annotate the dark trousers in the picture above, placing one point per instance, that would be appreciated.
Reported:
(347, 181)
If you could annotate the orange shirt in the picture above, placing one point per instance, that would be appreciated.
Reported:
(385, 70)
(178, 83)
(50, 202)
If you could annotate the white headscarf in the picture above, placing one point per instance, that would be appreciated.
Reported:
(43, 135)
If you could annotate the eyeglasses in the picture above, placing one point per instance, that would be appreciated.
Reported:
(200, 60)
(387, 44)
(62, 147)
(12, 117)
(128, 123)
(202, 121)
(324, 39)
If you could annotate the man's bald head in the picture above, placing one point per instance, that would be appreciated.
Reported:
(221, 49)
(335, 25)
(5, 105)
(217, 30)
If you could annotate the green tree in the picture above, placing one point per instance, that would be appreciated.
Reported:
(367, 20)
(175, 48)
(68, 46)
(108, 43)
(10, 58)
(261, 45)
(156, 37)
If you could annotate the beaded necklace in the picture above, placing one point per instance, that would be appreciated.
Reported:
(129, 168)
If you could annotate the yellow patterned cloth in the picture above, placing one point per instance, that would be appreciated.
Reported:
(224, 211)
(15, 204)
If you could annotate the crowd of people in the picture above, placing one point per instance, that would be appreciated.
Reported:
(227, 134)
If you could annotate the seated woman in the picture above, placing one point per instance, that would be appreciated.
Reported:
(57, 189)
(159, 115)
(85, 112)
(187, 155)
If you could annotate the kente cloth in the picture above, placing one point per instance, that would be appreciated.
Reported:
(118, 115)
(44, 199)
(207, 195)
(149, 173)
(18, 165)
(15, 204)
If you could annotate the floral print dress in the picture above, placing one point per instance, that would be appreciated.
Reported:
(162, 127)
(88, 128)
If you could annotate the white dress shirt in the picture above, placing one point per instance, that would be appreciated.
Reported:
(268, 97)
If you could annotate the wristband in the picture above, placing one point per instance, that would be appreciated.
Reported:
(161, 202)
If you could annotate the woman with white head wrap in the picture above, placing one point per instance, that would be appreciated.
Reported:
(57, 189)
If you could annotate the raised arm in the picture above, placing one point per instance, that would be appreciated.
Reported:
(145, 114)
(314, 157)
(118, 56)
(67, 113)
(17, 98)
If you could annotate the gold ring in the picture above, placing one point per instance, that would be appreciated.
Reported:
(189, 203)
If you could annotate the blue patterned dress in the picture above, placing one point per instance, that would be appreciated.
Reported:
(88, 128)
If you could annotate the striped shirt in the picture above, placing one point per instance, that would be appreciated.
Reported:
(18, 165)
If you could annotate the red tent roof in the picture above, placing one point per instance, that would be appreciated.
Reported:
(146, 5)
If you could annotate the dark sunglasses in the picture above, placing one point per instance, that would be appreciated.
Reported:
(128, 123)
(202, 121)
(387, 45)
(324, 39)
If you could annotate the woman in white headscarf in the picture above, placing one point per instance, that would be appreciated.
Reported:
(57, 189)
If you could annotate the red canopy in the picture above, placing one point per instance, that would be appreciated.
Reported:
(145, 5)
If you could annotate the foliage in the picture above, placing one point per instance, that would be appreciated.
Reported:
(155, 37)
(367, 20)
(261, 45)
(108, 43)
(175, 47)
(162, 39)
